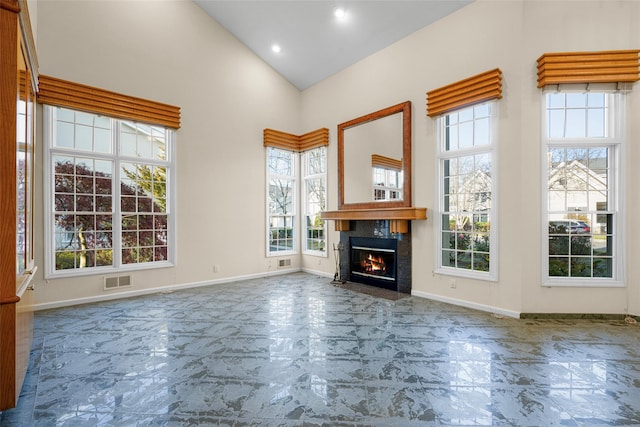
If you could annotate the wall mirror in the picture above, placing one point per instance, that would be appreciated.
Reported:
(374, 159)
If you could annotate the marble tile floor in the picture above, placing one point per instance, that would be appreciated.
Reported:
(295, 350)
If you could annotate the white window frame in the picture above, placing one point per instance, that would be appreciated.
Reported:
(305, 197)
(49, 134)
(392, 183)
(294, 215)
(441, 154)
(615, 142)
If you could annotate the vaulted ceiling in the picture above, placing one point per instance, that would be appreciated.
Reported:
(315, 43)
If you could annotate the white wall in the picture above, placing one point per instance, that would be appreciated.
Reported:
(480, 37)
(172, 52)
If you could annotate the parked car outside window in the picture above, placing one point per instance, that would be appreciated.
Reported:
(569, 226)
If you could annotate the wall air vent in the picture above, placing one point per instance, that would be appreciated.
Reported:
(284, 263)
(117, 282)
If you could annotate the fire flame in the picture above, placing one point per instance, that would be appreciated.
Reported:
(373, 264)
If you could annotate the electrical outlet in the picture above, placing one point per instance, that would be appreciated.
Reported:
(452, 283)
(216, 268)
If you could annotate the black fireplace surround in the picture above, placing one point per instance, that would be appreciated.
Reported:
(373, 261)
(373, 256)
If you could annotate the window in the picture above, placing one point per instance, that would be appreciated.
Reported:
(387, 184)
(108, 193)
(315, 200)
(283, 201)
(282, 178)
(466, 193)
(582, 221)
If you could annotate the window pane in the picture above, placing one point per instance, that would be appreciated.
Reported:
(603, 267)
(466, 135)
(558, 267)
(64, 134)
(280, 196)
(316, 161)
(102, 140)
(280, 162)
(481, 132)
(84, 138)
(142, 141)
(576, 100)
(556, 124)
(281, 233)
(451, 142)
(595, 119)
(576, 124)
(555, 100)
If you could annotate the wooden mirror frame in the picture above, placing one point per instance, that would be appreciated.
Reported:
(405, 109)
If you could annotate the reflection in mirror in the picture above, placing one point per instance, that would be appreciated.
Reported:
(387, 178)
(375, 159)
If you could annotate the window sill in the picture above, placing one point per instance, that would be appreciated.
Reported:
(105, 271)
(319, 254)
(487, 277)
(583, 283)
(282, 253)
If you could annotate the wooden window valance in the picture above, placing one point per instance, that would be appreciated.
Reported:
(588, 67)
(297, 143)
(378, 161)
(62, 93)
(473, 90)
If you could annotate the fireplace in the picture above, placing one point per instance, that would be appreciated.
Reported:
(373, 261)
(393, 249)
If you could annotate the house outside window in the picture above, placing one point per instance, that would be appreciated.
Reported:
(582, 224)
(108, 188)
(467, 245)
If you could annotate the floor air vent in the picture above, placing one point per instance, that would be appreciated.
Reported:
(117, 282)
(284, 263)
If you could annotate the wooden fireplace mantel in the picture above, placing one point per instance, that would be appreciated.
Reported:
(399, 217)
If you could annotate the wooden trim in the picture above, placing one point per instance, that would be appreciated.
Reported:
(405, 109)
(342, 225)
(588, 67)
(10, 300)
(473, 90)
(386, 162)
(9, 51)
(8, 95)
(8, 377)
(29, 42)
(409, 213)
(62, 93)
(10, 5)
(400, 226)
(277, 139)
(289, 141)
(314, 139)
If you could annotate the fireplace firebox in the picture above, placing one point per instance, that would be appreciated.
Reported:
(374, 261)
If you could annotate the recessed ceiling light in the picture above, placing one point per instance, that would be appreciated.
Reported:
(340, 13)
(276, 48)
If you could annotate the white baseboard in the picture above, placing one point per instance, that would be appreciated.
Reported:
(134, 293)
(468, 304)
(120, 295)
(318, 273)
